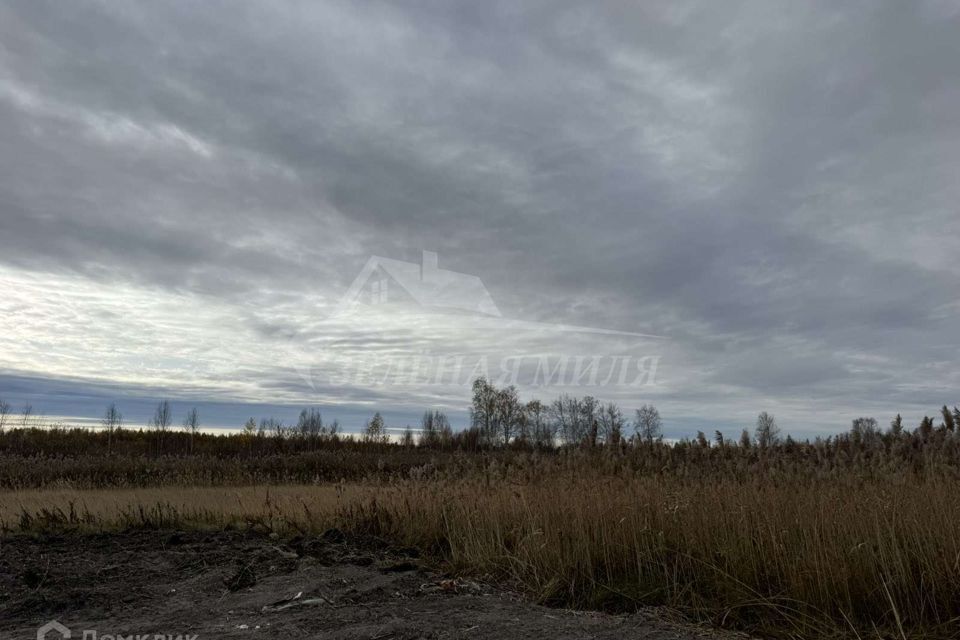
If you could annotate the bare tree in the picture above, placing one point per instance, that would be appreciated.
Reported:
(112, 421)
(573, 417)
(496, 414)
(272, 426)
(161, 421)
(191, 423)
(249, 432)
(429, 437)
(588, 424)
(162, 416)
(483, 410)
(375, 430)
(25, 415)
(767, 432)
(611, 424)
(524, 428)
(4, 412)
(443, 427)
(864, 429)
(310, 423)
(539, 424)
(648, 425)
(562, 421)
(508, 413)
(435, 429)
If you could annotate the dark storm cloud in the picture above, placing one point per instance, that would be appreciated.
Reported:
(772, 185)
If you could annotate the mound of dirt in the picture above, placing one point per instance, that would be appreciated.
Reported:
(247, 585)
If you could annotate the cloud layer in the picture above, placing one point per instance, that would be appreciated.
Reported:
(186, 190)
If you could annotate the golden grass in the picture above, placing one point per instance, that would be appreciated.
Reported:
(276, 507)
(806, 559)
(874, 558)
(837, 556)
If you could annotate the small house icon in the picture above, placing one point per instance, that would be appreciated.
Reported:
(53, 625)
(384, 280)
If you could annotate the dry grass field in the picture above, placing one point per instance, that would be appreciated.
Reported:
(850, 537)
(838, 557)
(833, 557)
(279, 508)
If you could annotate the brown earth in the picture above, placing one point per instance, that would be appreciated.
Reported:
(248, 585)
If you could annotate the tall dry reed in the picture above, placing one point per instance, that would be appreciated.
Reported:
(827, 557)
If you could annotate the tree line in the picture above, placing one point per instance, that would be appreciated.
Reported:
(497, 418)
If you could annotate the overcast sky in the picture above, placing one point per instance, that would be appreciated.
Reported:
(187, 189)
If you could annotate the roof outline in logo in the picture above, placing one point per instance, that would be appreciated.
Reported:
(432, 287)
(426, 283)
(53, 625)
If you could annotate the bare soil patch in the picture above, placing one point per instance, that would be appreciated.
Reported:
(228, 584)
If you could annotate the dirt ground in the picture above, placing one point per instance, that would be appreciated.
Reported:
(247, 585)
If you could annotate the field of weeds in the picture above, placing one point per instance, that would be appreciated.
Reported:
(849, 537)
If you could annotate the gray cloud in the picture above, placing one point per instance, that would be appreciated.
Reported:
(771, 185)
